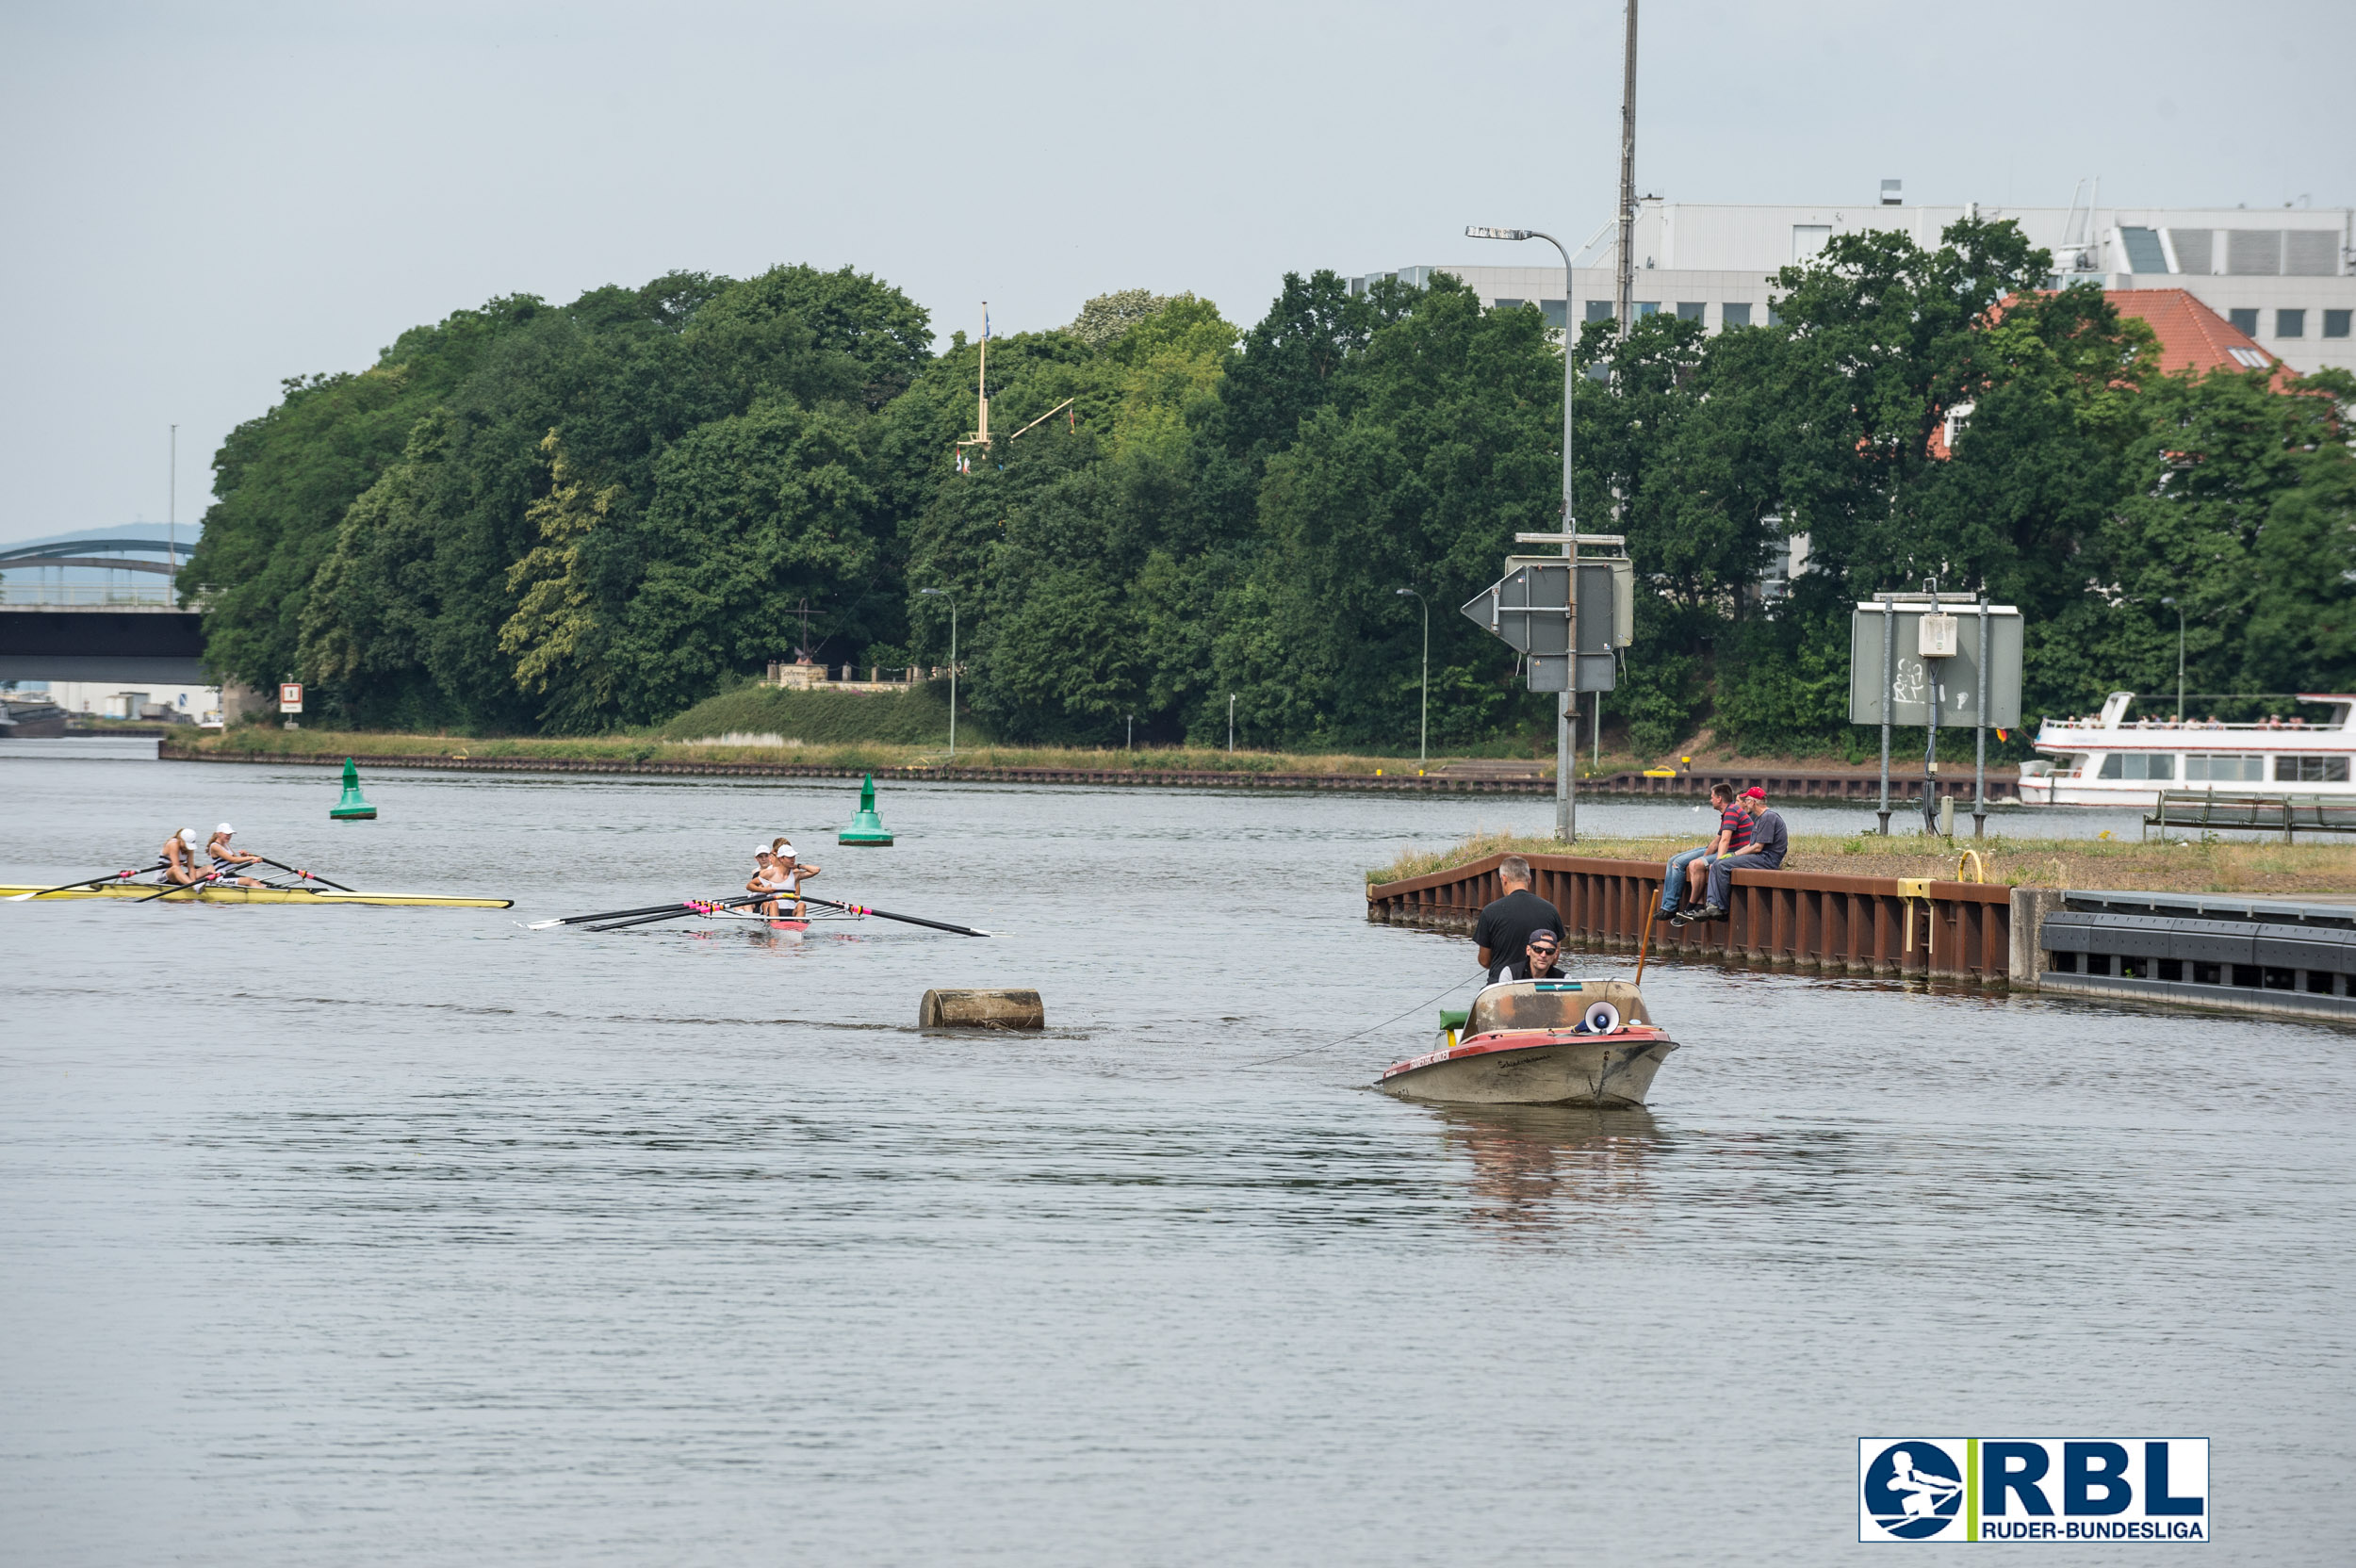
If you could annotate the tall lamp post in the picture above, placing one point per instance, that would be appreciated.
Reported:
(1423, 716)
(1565, 737)
(953, 666)
(1231, 723)
(2180, 657)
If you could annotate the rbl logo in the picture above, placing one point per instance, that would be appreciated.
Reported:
(2033, 1489)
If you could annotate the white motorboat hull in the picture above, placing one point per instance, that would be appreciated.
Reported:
(1535, 1069)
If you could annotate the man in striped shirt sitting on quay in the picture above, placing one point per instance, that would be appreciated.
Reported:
(1765, 843)
(1688, 868)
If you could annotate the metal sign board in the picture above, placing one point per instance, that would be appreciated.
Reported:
(1959, 678)
(1563, 647)
(290, 696)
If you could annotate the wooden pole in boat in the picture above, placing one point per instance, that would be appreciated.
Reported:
(1652, 906)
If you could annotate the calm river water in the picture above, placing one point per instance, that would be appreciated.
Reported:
(382, 1236)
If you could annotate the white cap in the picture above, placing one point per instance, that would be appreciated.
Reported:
(785, 846)
(762, 848)
(225, 827)
(188, 835)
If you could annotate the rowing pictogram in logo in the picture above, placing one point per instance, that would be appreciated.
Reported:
(1913, 1489)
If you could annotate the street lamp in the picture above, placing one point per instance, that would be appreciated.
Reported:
(1231, 723)
(1565, 740)
(1423, 719)
(2180, 657)
(944, 593)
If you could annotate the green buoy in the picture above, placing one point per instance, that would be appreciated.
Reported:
(355, 806)
(866, 827)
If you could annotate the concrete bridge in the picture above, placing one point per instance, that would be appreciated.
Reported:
(134, 644)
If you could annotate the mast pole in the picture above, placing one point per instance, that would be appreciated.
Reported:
(1626, 304)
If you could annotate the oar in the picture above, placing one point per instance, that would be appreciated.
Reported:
(180, 888)
(884, 914)
(89, 882)
(689, 906)
(304, 875)
(610, 914)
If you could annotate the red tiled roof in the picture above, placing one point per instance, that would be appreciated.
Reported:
(2192, 336)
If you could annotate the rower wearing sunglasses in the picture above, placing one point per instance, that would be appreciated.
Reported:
(1536, 962)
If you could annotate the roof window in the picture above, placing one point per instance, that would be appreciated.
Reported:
(2253, 358)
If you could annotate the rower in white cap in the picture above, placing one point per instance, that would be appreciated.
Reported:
(179, 856)
(766, 877)
(229, 863)
(780, 872)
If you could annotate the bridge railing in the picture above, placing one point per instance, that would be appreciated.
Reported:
(84, 594)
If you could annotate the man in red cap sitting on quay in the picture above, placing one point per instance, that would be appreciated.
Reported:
(1763, 851)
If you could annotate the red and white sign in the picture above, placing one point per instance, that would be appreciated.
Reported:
(290, 696)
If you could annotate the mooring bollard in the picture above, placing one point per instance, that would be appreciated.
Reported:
(981, 1009)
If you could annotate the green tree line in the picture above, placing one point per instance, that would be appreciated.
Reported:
(569, 518)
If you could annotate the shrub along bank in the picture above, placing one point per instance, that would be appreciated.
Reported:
(917, 717)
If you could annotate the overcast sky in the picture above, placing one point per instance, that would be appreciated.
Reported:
(202, 201)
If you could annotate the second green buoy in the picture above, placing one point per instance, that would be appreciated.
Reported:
(866, 827)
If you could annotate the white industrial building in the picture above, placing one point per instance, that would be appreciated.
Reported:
(2284, 276)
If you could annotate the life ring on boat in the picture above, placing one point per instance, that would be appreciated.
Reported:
(1602, 1018)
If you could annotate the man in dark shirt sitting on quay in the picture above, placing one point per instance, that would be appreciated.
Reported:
(1506, 923)
(1763, 851)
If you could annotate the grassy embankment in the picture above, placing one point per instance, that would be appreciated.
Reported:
(2244, 866)
(756, 723)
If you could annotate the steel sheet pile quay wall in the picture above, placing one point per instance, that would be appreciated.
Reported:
(1868, 926)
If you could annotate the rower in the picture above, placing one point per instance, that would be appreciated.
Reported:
(229, 863)
(179, 856)
(764, 879)
(790, 874)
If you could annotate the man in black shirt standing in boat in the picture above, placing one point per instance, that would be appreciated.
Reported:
(1506, 924)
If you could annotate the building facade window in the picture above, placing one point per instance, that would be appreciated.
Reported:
(2335, 323)
(2244, 321)
(1600, 310)
(1555, 311)
(2289, 323)
(1651, 307)
(1740, 314)
(2144, 251)
(1692, 310)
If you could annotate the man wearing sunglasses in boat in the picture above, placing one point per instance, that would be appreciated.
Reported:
(1536, 962)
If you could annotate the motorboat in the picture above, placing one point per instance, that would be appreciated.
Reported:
(1540, 1043)
(2109, 761)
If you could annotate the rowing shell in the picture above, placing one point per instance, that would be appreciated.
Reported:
(212, 893)
(775, 922)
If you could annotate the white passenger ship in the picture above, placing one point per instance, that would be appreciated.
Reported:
(2108, 762)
